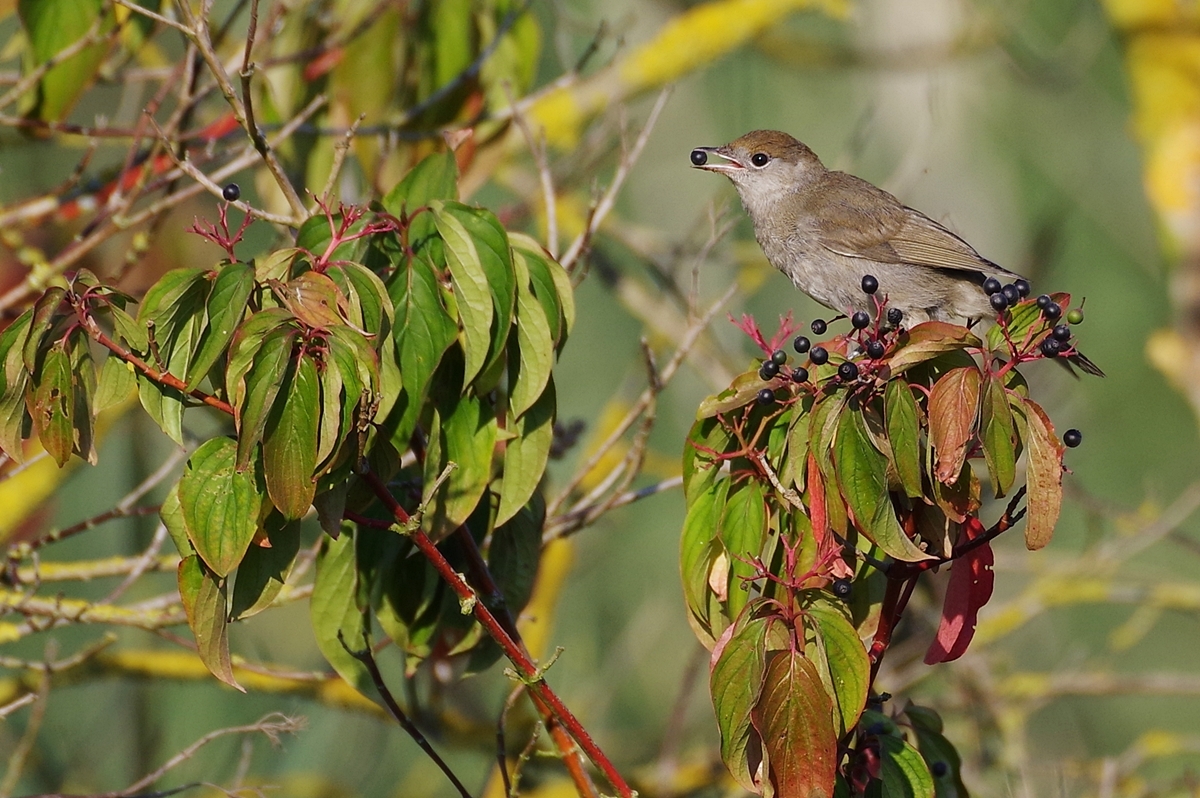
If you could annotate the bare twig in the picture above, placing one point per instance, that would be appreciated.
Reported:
(272, 726)
(605, 204)
(197, 32)
(16, 761)
(368, 661)
(538, 149)
(648, 395)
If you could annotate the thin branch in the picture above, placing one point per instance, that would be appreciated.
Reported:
(601, 210)
(529, 672)
(198, 33)
(368, 660)
(538, 149)
(690, 336)
(16, 761)
(272, 726)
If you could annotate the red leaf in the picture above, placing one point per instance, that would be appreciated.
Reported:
(794, 718)
(817, 514)
(971, 583)
(953, 408)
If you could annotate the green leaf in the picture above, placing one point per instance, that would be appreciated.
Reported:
(699, 469)
(52, 26)
(264, 570)
(464, 432)
(14, 379)
(1043, 472)
(736, 682)
(743, 529)
(45, 314)
(52, 404)
(83, 380)
(514, 553)
(172, 517)
(477, 247)
(290, 442)
(794, 718)
(997, 435)
(903, 771)
(953, 412)
(793, 470)
(334, 609)
(129, 330)
(939, 754)
(226, 303)
(743, 391)
(840, 659)
(244, 349)
(262, 385)
(423, 332)
(116, 382)
(904, 431)
(862, 480)
(220, 505)
(526, 455)
(699, 549)
(925, 342)
(434, 178)
(370, 309)
(204, 601)
(529, 371)
(551, 285)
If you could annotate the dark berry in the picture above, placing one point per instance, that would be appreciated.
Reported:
(938, 769)
(1043, 301)
(1072, 438)
(231, 192)
(860, 320)
(841, 587)
(1075, 316)
(875, 349)
(699, 157)
(848, 371)
(1011, 294)
(1022, 286)
(818, 356)
(1051, 347)
(768, 370)
(801, 344)
(799, 374)
(999, 301)
(991, 286)
(869, 284)
(1052, 311)
(766, 396)
(819, 327)
(779, 357)
(895, 316)
(1062, 332)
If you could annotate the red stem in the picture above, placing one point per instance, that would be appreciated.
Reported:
(515, 652)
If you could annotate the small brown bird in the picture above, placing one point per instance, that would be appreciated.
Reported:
(826, 230)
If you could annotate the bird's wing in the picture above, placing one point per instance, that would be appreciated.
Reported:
(886, 231)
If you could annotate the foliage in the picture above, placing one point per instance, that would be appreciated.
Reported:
(818, 496)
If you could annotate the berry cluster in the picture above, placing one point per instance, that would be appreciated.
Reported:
(1050, 339)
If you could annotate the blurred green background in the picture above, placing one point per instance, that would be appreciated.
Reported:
(1011, 123)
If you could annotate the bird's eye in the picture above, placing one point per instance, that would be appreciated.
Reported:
(760, 159)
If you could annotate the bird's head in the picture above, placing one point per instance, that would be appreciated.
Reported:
(764, 165)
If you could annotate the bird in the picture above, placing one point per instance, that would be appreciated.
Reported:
(826, 230)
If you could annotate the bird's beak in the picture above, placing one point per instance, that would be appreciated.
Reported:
(702, 159)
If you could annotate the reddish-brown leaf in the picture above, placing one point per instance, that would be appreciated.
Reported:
(953, 408)
(794, 717)
(970, 588)
(1043, 473)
